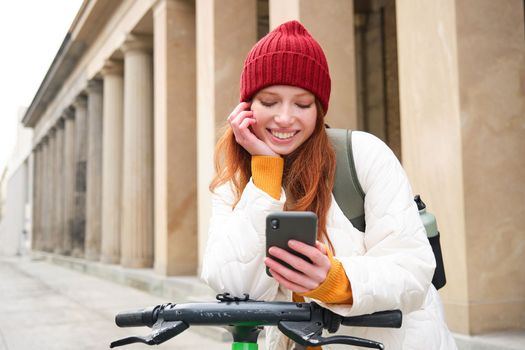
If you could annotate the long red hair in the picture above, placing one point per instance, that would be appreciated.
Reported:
(308, 176)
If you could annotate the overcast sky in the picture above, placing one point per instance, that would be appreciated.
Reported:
(31, 32)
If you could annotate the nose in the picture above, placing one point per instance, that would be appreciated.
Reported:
(284, 116)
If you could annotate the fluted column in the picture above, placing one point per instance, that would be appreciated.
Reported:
(59, 189)
(44, 210)
(52, 170)
(49, 191)
(175, 135)
(94, 171)
(137, 190)
(49, 241)
(79, 227)
(37, 156)
(43, 213)
(113, 107)
(50, 199)
(69, 180)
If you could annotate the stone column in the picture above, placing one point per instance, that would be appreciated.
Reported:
(37, 156)
(44, 192)
(94, 171)
(79, 227)
(43, 213)
(49, 243)
(175, 135)
(113, 125)
(69, 180)
(333, 27)
(137, 189)
(461, 69)
(59, 188)
(219, 65)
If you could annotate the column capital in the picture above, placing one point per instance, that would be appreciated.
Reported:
(137, 42)
(94, 86)
(112, 67)
(80, 101)
(52, 130)
(68, 112)
(60, 122)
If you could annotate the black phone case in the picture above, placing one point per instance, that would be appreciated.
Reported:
(297, 225)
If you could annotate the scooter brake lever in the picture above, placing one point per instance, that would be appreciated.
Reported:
(306, 333)
(161, 331)
(131, 340)
(309, 334)
(346, 340)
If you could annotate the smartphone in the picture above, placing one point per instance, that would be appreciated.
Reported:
(286, 225)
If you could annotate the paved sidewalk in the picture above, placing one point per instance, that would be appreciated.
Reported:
(44, 306)
(50, 307)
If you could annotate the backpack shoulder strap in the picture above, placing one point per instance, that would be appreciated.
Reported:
(347, 190)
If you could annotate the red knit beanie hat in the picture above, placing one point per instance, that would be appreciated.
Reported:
(288, 55)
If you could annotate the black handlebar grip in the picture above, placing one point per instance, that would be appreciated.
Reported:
(137, 318)
(381, 319)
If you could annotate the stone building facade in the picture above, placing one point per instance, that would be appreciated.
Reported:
(127, 116)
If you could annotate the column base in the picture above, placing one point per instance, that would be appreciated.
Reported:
(77, 253)
(110, 260)
(137, 262)
(92, 256)
(66, 252)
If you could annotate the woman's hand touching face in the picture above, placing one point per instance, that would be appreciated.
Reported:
(241, 120)
(309, 275)
(276, 122)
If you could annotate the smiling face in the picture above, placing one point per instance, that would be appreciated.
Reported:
(286, 117)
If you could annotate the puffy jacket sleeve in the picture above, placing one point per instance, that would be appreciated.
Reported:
(233, 260)
(397, 267)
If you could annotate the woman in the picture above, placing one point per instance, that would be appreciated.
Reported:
(276, 156)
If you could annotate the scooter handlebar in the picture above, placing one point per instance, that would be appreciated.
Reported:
(301, 322)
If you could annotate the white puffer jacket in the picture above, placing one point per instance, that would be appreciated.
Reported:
(390, 266)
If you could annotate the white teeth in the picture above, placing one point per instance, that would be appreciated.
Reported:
(283, 135)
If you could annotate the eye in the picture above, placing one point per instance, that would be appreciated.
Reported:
(304, 106)
(267, 103)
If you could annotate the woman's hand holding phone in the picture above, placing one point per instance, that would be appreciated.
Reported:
(309, 275)
(240, 121)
